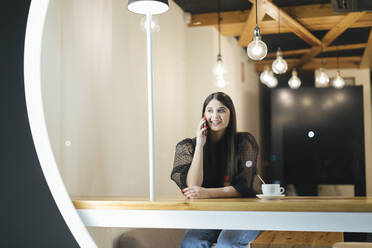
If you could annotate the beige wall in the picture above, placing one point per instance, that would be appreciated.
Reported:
(51, 76)
(95, 95)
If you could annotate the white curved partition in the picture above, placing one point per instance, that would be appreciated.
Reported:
(32, 78)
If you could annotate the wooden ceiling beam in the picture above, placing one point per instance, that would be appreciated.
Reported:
(345, 47)
(316, 63)
(211, 19)
(367, 55)
(246, 34)
(273, 11)
(307, 57)
(337, 30)
(313, 24)
(270, 61)
(328, 49)
(325, 60)
(311, 11)
(330, 36)
(289, 52)
(239, 17)
(331, 63)
(313, 17)
(316, 23)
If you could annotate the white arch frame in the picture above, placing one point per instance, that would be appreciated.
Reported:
(32, 77)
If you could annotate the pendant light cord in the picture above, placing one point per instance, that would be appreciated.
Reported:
(338, 65)
(219, 27)
(256, 14)
(279, 19)
(321, 57)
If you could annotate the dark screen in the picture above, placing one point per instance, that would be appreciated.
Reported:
(335, 153)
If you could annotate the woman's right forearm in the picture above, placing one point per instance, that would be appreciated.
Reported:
(195, 173)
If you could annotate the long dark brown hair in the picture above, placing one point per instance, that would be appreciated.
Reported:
(230, 134)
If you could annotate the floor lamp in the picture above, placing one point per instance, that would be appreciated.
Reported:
(149, 8)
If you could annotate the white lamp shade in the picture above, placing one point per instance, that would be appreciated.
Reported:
(144, 7)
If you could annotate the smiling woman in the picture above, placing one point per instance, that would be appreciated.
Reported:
(219, 162)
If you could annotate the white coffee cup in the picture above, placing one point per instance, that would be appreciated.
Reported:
(272, 189)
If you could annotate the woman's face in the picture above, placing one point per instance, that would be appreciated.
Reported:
(218, 116)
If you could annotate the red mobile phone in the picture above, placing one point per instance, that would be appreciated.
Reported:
(206, 122)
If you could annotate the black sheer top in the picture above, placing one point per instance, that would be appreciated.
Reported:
(214, 167)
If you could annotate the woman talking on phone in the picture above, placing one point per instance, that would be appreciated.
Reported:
(218, 162)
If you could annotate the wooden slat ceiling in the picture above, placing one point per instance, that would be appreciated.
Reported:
(311, 33)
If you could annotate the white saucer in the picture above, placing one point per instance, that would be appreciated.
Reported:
(271, 197)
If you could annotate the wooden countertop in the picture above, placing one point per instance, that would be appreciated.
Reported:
(288, 204)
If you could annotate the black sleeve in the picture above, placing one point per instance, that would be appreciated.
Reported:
(182, 161)
(247, 154)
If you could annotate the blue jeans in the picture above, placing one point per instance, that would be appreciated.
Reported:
(195, 238)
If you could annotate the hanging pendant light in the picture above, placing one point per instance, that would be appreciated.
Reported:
(279, 65)
(294, 82)
(257, 49)
(267, 77)
(338, 82)
(322, 77)
(218, 69)
(144, 7)
(273, 81)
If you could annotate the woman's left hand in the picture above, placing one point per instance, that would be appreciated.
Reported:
(194, 192)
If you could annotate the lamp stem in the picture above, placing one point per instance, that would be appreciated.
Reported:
(150, 107)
